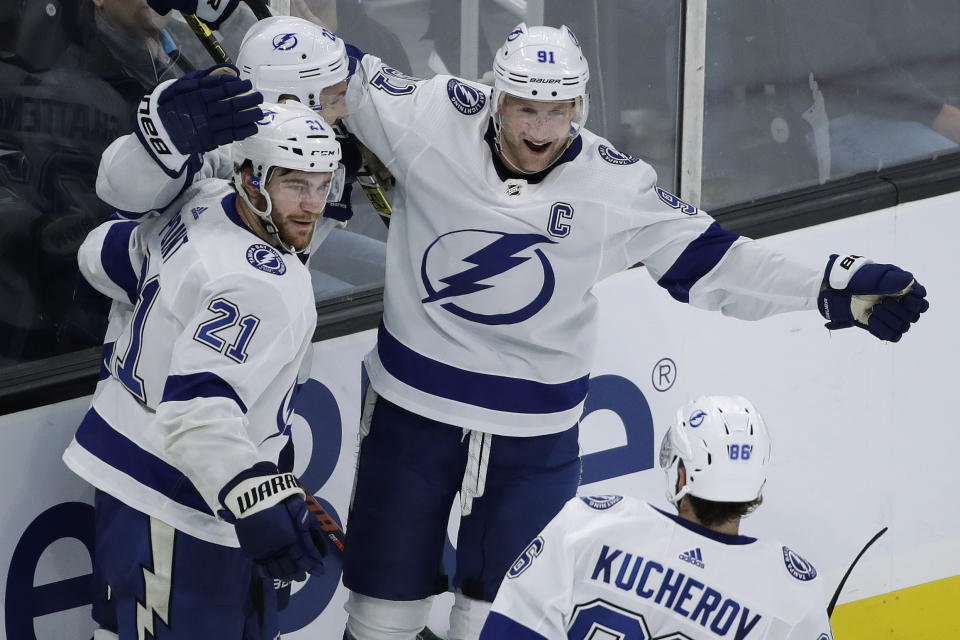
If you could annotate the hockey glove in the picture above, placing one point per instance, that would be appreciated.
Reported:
(273, 525)
(186, 117)
(213, 12)
(881, 298)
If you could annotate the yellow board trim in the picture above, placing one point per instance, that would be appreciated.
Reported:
(924, 612)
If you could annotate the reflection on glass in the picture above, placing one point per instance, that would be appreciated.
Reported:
(801, 93)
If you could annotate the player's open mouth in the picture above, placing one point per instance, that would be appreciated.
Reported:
(536, 148)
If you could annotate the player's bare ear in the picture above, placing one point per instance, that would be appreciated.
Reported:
(681, 477)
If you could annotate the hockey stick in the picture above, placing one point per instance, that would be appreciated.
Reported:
(836, 594)
(206, 37)
(328, 525)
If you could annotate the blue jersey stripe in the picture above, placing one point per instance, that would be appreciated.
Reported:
(199, 385)
(121, 453)
(500, 626)
(700, 256)
(115, 258)
(499, 393)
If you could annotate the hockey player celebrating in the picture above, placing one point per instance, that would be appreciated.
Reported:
(193, 119)
(507, 213)
(183, 436)
(627, 567)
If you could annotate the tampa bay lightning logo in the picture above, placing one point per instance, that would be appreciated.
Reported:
(266, 258)
(465, 98)
(697, 419)
(797, 566)
(613, 156)
(505, 286)
(601, 502)
(516, 33)
(284, 41)
(269, 115)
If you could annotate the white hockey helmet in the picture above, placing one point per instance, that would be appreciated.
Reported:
(283, 55)
(724, 445)
(290, 136)
(541, 63)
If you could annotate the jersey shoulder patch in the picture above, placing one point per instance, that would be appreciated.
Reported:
(466, 99)
(601, 502)
(613, 156)
(798, 567)
(266, 259)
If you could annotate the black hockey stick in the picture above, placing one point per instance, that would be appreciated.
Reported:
(836, 594)
(206, 37)
(328, 525)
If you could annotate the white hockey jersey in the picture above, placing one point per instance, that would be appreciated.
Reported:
(489, 316)
(203, 378)
(612, 566)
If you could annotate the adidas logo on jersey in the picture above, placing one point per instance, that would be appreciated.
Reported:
(693, 556)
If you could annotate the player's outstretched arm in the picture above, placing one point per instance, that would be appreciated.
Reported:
(273, 524)
(213, 12)
(881, 298)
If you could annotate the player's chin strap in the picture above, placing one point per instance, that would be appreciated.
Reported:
(265, 216)
(475, 475)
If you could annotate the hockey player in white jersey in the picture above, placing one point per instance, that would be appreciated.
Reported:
(184, 435)
(616, 566)
(507, 213)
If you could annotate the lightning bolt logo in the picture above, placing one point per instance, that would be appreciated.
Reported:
(156, 583)
(284, 41)
(496, 258)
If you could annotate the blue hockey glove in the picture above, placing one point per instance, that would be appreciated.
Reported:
(273, 524)
(213, 12)
(881, 298)
(201, 111)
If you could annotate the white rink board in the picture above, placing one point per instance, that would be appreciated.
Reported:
(863, 432)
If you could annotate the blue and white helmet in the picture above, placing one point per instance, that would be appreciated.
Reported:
(290, 136)
(541, 63)
(283, 55)
(724, 445)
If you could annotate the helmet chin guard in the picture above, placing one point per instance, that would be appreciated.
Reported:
(543, 64)
(724, 446)
(290, 136)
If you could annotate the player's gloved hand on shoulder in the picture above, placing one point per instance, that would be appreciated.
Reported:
(273, 524)
(881, 298)
(201, 111)
(213, 12)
